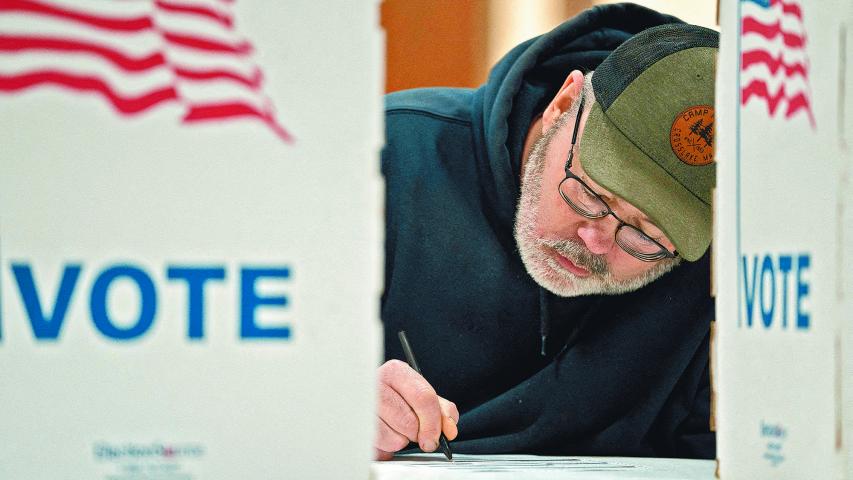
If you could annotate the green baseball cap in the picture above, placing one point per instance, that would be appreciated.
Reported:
(649, 137)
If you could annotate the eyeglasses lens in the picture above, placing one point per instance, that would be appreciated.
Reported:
(582, 200)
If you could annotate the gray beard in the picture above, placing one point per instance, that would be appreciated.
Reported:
(540, 265)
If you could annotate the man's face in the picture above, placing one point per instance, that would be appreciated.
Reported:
(565, 252)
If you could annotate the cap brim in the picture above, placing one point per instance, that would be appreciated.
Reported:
(615, 163)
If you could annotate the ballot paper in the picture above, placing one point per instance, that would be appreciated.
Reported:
(530, 467)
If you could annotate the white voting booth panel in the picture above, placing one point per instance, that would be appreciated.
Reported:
(190, 238)
(783, 240)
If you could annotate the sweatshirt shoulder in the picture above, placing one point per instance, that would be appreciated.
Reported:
(443, 104)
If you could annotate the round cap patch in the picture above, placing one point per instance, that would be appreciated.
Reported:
(692, 135)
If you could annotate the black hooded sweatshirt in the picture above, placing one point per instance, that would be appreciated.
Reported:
(623, 374)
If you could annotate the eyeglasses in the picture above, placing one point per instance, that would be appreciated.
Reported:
(586, 202)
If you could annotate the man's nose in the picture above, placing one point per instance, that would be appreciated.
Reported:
(598, 234)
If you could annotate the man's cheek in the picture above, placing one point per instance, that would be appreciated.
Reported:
(540, 230)
(545, 227)
(626, 269)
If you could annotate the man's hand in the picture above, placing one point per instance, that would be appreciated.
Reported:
(410, 410)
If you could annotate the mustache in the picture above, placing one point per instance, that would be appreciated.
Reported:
(579, 255)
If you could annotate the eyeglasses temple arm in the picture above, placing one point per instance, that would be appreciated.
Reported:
(575, 135)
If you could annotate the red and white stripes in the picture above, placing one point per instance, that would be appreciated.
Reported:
(136, 55)
(774, 63)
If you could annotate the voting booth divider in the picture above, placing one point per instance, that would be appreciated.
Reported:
(783, 349)
(190, 238)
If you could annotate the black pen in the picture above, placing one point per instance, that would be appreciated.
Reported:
(410, 358)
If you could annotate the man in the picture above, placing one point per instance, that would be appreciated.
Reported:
(547, 247)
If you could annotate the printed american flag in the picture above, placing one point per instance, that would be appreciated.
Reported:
(136, 55)
(774, 64)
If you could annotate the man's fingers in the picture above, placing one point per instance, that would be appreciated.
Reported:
(450, 417)
(382, 455)
(387, 439)
(397, 414)
(449, 428)
(448, 409)
(420, 396)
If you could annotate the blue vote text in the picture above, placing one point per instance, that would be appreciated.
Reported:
(47, 316)
(775, 289)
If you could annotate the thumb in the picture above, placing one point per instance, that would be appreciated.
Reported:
(449, 418)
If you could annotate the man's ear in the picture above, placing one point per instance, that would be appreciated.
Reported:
(561, 102)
